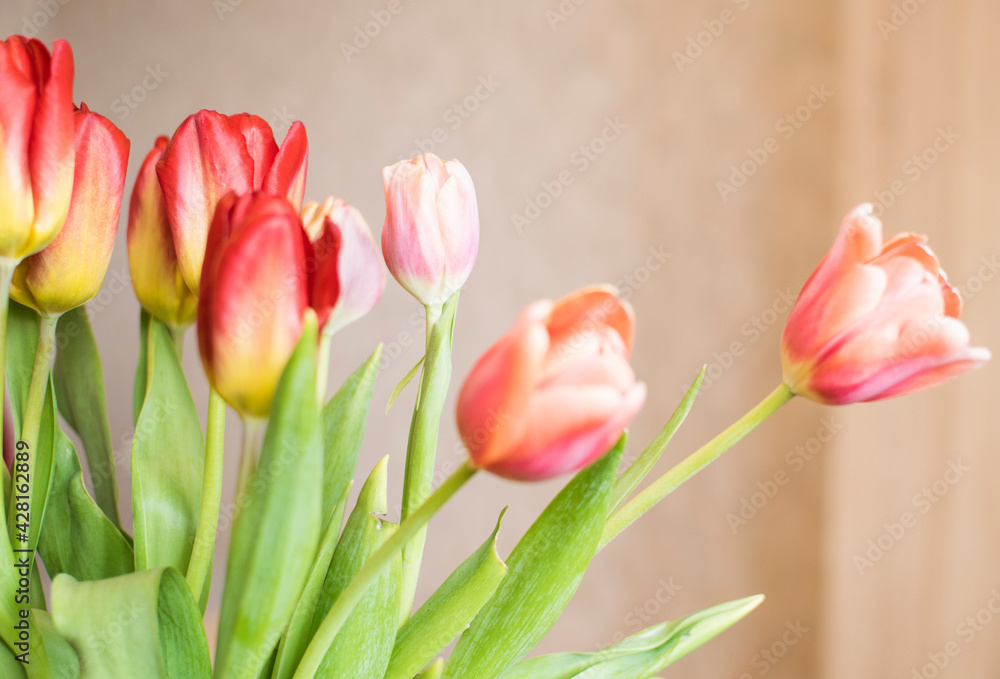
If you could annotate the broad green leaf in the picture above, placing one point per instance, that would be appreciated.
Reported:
(141, 368)
(407, 378)
(276, 535)
(52, 657)
(168, 461)
(79, 382)
(9, 667)
(640, 656)
(344, 427)
(22, 342)
(144, 624)
(637, 471)
(364, 645)
(296, 639)
(448, 612)
(544, 571)
(79, 538)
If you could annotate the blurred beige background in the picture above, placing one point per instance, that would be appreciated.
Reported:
(668, 98)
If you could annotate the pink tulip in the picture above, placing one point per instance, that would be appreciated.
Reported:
(69, 271)
(431, 234)
(875, 320)
(211, 154)
(348, 277)
(556, 391)
(36, 144)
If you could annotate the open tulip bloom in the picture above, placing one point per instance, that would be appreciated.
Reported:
(219, 232)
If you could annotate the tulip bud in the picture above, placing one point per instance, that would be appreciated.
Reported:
(875, 320)
(69, 271)
(556, 391)
(431, 234)
(152, 259)
(211, 154)
(36, 144)
(254, 293)
(348, 277)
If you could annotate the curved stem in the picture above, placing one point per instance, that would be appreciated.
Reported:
(211, 496)
(6, 274)
(421, 448)
(323, 368)
(349, 598)
(694, 463)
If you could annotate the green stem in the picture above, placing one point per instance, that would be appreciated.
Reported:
(697, 461)
(421, 447)
(323, 368)
(211, 496)
(6, 274)
(253, 439)
(349, 598)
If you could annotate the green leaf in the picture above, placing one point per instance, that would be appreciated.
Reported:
(433, 670)
(344, 427)
(544, 571)
(22, 342)
(141, 368)
(448, 612)
(640, 656)
(79, 382)
(637, 471)
(52, 656)
(144, 624)
(362, 648)
(407, 378)
(168, 461)
(9, 667)
(79, 538)
(276, 535)
(296, 639)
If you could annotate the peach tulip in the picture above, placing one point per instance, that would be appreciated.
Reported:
(211, 154)
(556, 391)
(431, 234)
(36, 144)
(68, 272)
(876, 319)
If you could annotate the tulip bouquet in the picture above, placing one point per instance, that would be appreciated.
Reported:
(318, 586)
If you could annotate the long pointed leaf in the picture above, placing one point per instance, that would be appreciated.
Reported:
(544, 571)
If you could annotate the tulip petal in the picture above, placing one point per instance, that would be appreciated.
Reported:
(19, 94)
(287, 176)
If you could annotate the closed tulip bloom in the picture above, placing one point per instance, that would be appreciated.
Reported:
(876, 319)
(254, 293)
(348, 277)
(431, 234)
(152, 259)
(556, 391)
(211, 154)
(36, 144)
(69, 271)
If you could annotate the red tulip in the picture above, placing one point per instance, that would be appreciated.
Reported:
(211, 154)
(431, 234)
(152, 258)
(556, 391)
(254, 293)
(69, 271)
(348, 275)
(875, 320)
(36, 144)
